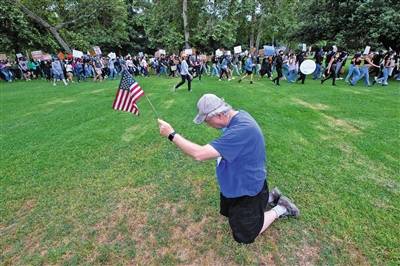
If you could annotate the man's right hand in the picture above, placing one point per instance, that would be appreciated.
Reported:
(165, 128)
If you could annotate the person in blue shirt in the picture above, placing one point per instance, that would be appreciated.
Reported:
(58, 71)
(248, 67)
(241, 168)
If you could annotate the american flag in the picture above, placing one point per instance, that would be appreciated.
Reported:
(128, 93)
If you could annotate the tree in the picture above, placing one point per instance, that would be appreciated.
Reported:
(350, 24)
(76, 24)
(53, 29)
(185, 23)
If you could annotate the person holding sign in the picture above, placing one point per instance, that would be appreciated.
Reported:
(241, 168)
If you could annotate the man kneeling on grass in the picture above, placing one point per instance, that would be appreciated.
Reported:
(241, 171)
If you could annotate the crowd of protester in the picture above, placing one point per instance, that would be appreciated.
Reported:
(378, 66)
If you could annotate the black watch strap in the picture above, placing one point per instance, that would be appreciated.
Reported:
(171, 136)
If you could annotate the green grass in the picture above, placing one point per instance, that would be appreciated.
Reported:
(83, 184)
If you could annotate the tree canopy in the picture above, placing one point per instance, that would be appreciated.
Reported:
(147, 25)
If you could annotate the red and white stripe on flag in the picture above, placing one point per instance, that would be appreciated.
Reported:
(128, 93)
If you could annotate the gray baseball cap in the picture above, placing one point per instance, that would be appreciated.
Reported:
(209, 105)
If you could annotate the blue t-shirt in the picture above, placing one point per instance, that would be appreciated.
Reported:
(242, 168)
(249, 64)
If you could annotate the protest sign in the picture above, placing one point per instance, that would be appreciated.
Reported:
(77, 54)
(97, 50)
(3, 57)
(162, 52)
(188, 51)
(307, 67)
(269, 50)
(61, 56)
(237, 49)
(367, 49)
(218, 53)
(112, 55)
(37, 55)
(46, 57)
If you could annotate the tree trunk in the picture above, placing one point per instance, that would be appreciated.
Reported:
(60, 40)
(251, 43)
(47, 26)
(185, 23)
(259, 32)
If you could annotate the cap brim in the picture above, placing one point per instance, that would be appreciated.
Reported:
(199, 119)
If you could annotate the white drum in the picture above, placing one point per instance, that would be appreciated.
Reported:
(307, 67)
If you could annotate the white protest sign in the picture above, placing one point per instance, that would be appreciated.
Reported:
(77, 54)
(218, 53)
(46, 57)
(162, 51)
(19, 55)
(3, 57)
(304, 47)
(228, 52)
(141, 54)
(237, 49)
(367, 49)
(188, 51)
(97, 50)
(307, 67)
(37, 55)
(334, 48)
(112, 55)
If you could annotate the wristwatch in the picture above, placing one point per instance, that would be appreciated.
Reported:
(171, 136)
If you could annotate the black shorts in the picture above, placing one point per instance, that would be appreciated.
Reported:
(246, 214)
(249, 72)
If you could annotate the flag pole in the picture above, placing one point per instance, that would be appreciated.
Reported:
(154, 110)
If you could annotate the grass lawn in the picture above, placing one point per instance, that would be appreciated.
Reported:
(83, 184)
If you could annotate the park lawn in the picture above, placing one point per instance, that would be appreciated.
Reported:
(83, 184)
